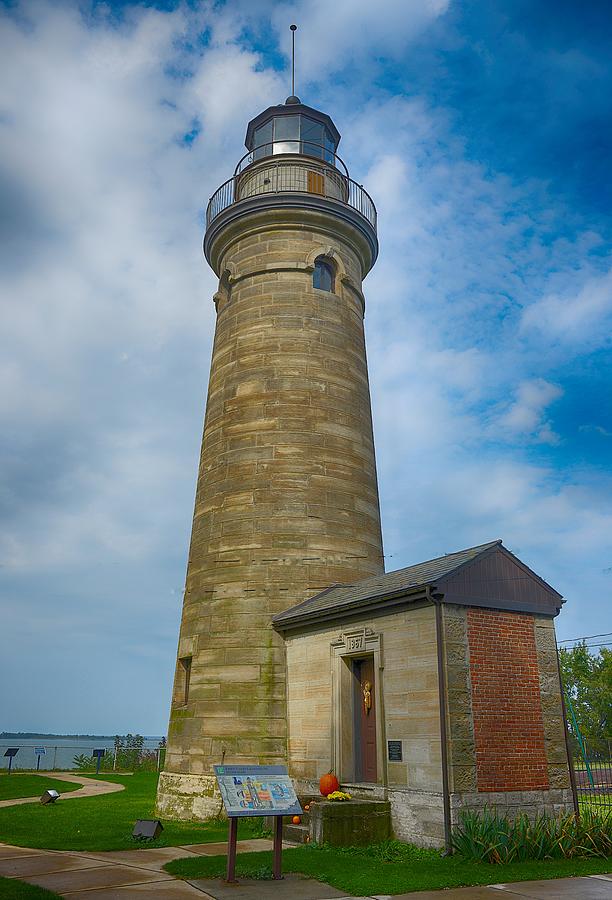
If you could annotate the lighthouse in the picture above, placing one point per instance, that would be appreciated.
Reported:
(287, 500)
(428, 690)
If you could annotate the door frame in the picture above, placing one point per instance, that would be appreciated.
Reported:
(355, 643)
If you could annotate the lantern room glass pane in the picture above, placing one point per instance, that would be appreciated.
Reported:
(312, 137)
(263, 140)
(286, 128)
(330, 147)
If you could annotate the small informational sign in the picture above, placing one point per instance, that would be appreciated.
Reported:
(257, 791)
(98, 754)
(39, 751)
(395, 751)
(11, 752)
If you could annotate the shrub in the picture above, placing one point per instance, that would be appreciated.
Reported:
(131, 756)
(489, 837)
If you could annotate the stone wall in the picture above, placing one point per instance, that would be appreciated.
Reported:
(460, 722)
(407, 708)
(408, 684)
(554, 801)
(417, 817)
(552, 710)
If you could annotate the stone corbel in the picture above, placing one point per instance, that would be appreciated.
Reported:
(231, 271)
(227, 279)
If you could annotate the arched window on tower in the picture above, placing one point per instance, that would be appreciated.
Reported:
(323, 275)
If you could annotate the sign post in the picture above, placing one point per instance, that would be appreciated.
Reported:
(11, 752)
(98, 754)
(39, 751)
(256, 791)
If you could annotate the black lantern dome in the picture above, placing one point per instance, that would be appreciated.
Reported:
(292, 127)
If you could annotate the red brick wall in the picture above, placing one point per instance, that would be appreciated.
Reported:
(508, 728)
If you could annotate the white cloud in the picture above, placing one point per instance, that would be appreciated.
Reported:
(582, 314)
(524, 416)
(108, 321)
(333, 35)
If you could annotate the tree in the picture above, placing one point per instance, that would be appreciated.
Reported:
(587, 679)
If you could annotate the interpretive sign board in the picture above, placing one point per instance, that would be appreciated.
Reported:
(257, 791)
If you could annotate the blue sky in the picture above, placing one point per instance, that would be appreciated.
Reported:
(482, 130)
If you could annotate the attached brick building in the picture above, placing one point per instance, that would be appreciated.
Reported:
(464, 693)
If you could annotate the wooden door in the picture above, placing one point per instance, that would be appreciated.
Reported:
(365, 720)
(316, 182)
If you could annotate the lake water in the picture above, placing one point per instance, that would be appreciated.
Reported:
(60, 752)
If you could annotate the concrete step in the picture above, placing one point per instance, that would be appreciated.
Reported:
(299, 834)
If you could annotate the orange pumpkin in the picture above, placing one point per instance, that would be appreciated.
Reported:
(307, 807)
(296, 820)
(328, 783)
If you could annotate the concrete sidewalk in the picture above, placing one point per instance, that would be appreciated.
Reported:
(294, 887)
(119, 875)
(134, 874)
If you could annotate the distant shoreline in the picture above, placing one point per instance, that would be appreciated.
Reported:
(37, 735)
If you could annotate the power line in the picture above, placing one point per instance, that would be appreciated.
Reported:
(590, 646)
(587, 637)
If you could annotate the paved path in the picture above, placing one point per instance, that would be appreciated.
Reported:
(136, 874)
(119, 875)
(92, 787)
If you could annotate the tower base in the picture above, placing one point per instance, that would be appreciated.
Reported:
(185, 797)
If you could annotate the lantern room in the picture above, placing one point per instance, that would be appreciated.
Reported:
(292, 127)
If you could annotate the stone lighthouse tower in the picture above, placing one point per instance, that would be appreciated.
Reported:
(287, 499)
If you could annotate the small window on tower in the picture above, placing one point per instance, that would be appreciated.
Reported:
(183, 677)
(323, 275)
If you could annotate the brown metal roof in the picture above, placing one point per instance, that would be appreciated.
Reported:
(476, 585)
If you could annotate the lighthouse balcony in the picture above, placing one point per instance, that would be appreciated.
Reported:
(298, 168)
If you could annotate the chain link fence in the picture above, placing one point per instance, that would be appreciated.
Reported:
(122, 753)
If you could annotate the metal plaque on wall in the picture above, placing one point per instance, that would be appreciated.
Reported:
(395, 751)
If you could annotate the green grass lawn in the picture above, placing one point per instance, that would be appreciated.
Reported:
(601, 803)
(15, 785)
(357, 873)
(13, 889)
(101, 823)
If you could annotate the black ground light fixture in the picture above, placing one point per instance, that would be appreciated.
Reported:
(147, 829)
(49, 796)
(11, 752)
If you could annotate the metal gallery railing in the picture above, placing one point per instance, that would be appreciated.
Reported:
(291, 148)
(291, 176)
